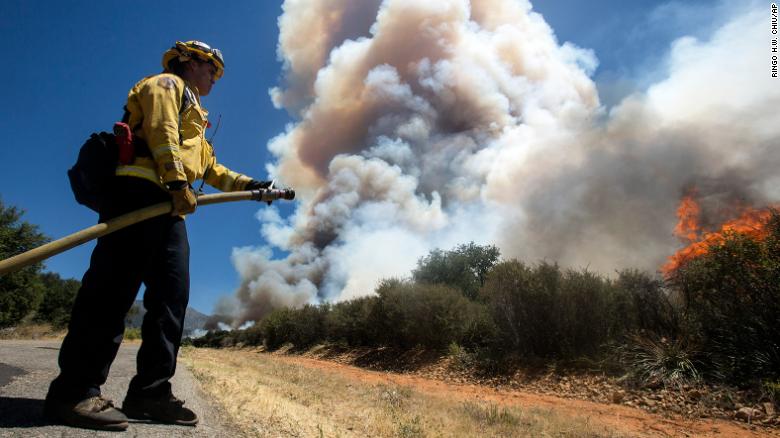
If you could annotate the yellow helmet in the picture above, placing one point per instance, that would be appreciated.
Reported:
(185, 51)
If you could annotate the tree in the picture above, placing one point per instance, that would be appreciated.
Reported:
(463, 268)
(58, 297)
(22, 291)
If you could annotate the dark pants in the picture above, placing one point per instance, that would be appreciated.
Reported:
(154, 252)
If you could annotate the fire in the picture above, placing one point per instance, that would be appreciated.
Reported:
(688, 212)
(749, 221)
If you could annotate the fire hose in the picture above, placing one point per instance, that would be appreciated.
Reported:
(50, 249)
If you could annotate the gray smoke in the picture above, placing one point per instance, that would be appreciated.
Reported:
(430, 124)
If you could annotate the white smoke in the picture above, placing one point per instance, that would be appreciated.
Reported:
(430, 124)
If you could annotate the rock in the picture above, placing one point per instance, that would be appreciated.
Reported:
(724, 404)
(769, 408)
(694, 394)
(648, 402)
(748, 414)
(617, 396)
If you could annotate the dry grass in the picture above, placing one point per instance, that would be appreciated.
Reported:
(266, 396)
(46, 331)
(32, 331)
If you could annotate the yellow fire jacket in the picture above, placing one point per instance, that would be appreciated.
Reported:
(176, 136)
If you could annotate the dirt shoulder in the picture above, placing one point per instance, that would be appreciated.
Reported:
(272, 396)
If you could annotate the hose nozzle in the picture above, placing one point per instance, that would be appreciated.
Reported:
(270, 195)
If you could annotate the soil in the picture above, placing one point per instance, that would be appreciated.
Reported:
(661, 412)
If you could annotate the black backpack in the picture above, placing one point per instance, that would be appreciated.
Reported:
(91, 176)
(95, 167)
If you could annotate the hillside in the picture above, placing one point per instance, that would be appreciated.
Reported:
(193, 321)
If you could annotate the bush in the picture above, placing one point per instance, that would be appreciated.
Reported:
(463, 268)
(214, 339)
(771, 391)
(433, 316)
(522, 301)
(302, 327)
(731, 296)
(132, 333)
(544, 312)
(252, 336)
(653, 360)
(350, 322)
(583, 314)
(402, 314)
(643, 304)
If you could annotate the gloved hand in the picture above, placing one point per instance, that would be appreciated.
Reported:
(184, 201)
(255, 184)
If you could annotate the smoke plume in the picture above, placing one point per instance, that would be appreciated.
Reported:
(430, 124)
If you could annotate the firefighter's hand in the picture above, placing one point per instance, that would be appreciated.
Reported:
(184, 201)
(255, 185)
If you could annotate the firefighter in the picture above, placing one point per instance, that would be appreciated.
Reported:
(170, 153)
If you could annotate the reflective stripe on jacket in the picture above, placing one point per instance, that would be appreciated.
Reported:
(176, 140)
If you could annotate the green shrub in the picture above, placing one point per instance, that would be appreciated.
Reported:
(651, 360)
(402, 314)
(731, 297)
(642, 303)
(583, 313)
(521, 302)
(463, 268)
(771, 391)
(433, 316)
(132, 333)
(350, 323)
(252, 336)
(461, 358)
(302, 327)
(545, 312)
(215, 339)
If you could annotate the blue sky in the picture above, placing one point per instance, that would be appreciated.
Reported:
(69, 65)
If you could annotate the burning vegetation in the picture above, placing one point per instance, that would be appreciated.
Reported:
(699, 238)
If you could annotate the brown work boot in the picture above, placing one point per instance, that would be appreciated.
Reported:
(169, 410)
(91, 413)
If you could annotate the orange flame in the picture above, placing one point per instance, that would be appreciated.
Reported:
(688, 212)
(751, 222)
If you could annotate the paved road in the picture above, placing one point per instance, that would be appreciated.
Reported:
(27, 367)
